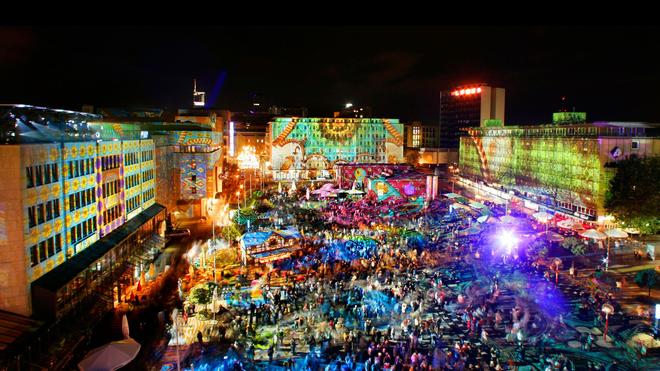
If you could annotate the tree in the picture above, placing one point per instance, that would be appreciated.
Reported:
(647, 278)
(634, 193)
(575, 245)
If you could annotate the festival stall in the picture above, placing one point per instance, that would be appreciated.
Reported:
(269, 245)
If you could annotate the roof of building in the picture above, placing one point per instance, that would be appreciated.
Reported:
(258, 238)
(67, 271)
(15, 329)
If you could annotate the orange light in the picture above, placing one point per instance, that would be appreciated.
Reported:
(478, 90)
(462, 91)
(474, 91)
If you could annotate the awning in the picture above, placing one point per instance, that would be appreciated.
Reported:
(478, 205)
(67, 271)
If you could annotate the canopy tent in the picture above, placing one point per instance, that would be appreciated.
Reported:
(616, 233)
(478, 205)
(569, 224)
(592, 233)
(631, 230)
(555, 237)
(542, 216)
(111, 356)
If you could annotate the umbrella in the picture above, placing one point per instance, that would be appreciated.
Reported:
(616, 233)
(482, 219)
(111, 356)
(632, 230)
(555, 237)
(592, 233)
(542, 216)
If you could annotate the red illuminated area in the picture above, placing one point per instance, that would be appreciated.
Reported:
(466, 91)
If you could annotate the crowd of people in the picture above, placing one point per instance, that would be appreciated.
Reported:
(371, 300)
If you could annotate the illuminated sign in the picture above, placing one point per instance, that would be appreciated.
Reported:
(470, 91)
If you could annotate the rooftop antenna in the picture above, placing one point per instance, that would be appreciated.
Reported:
(198, 96)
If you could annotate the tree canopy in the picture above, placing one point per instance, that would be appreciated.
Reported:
(634, 193)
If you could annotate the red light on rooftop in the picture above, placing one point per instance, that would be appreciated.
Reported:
(478, 90)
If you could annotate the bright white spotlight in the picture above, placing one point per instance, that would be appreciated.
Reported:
(508, 241)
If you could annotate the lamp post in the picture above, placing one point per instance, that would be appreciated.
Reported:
(557, 264)
(175, 316)
(607, 309)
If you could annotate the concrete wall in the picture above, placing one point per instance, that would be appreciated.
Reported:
(14, 291)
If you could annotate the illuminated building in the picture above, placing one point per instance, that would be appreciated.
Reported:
(468, 106)
(188, 151)
(419, 135)
(308, 148)
(562, 168)
(78, 207)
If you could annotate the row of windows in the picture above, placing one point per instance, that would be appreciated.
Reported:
(45, 249)
(43, 212)
(39, 175)
(112, 214)
(110, 188)
(133, 203)
(131, 158)
(147, 175)
(80, 167)
(110, 162)
(147, 155)
(83, 230)
(149, 194)
(81, 199)
(132, 180)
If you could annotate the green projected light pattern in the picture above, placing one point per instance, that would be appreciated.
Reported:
(567, 166)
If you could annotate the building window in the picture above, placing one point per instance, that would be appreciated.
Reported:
(635, 144)
(416, 139)
(34, 256)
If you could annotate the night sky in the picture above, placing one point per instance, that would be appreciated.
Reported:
(611, 73)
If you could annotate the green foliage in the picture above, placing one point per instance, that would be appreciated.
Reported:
(201, 295)
(537, 249)
(575, 245)
(634, 193)
(232, 231)
(647, 278)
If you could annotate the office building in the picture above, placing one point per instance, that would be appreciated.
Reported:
(78, 207)
(468, 106)
(560, 168)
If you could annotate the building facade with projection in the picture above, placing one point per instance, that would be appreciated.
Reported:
(308, 148)
(560, 168)
(78, 206)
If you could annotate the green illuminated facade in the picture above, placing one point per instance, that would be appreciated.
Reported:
(560, 167)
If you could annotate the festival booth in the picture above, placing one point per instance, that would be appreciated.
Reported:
(270, 245)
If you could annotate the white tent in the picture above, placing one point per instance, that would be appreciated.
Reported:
(111, 356)
(616, 233)
(114, 355)
(542, 216)
(592, 233)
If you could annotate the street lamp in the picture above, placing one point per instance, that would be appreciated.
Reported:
(557, 262)
(607, 309)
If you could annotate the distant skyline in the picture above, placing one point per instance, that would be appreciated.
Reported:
(610, 73)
